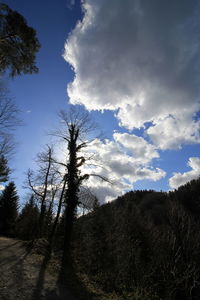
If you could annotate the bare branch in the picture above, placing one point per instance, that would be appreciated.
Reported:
(103, 178)
(9, 120)
(29, 176)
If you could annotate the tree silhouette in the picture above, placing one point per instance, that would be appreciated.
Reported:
(43, 184)
(28, 221)
(9, 120)
(77, 125)
(18, 43)
(4, 169)
(8, 209)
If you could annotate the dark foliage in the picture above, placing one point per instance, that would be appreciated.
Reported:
(8, 210)
(144, 245)
(189, 196)
(4, 169)
(18, 43)
(28, 221)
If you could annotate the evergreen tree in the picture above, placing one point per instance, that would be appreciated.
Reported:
(8, 210)
(28, 222)
(18, 43)
(4, 170)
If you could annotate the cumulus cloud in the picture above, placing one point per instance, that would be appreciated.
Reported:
(122, 163)
(179, 179)
(172, 133)
(142, 151)
(140, 58)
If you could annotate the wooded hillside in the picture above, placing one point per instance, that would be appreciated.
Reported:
(144, 245)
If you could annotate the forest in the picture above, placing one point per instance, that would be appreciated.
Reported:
(143, 245)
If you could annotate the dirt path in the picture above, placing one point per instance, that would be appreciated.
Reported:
(22, 275)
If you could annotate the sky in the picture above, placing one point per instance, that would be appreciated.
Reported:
(134, 65)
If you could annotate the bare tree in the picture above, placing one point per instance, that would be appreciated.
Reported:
(43, 183)
(60, 204)
(8, 122)
(77, 127)
(87, 200)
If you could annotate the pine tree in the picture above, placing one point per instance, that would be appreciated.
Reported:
(4, 170)
(28, 222)
(8, 210)
(18, 43)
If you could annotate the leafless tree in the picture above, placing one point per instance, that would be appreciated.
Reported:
(44, 183)
(76, 133)
(9, 120)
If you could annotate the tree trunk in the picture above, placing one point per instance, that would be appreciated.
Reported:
(52, 234)
(71, 199)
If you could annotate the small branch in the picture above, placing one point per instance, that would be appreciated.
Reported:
(101, 177)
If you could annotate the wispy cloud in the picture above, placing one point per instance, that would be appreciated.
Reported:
(70, 4)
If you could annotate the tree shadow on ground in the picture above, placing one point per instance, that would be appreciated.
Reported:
(69, 286)
(41, 277)
(10, 258)
(61, 292)
(11, 245)
(68, 279)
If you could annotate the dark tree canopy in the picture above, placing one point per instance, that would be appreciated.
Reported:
(18, 43)
(28, 221)
(8, 209)
(4, 169)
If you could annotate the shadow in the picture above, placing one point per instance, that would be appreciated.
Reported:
(10, 259)
(10, 245)
(52, 295)
(22, 258)
(68, 280)
(59, 294)
(69, 286)
(41, 276)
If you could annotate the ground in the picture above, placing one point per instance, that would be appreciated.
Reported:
(24, 276)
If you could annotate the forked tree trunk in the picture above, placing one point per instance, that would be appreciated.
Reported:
(53, 231)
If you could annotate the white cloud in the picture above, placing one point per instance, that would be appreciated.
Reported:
(105, 191)
(122, 163)
(172, 133)
(142, 151)
(179, 179)
(2, 187)
(142, 58)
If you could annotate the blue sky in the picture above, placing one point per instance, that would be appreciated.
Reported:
(134, 65)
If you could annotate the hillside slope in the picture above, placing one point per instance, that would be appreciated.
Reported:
(143, 245)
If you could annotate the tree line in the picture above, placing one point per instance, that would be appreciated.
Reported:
(143, 245)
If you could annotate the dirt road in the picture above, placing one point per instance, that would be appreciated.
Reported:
(22, 275)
